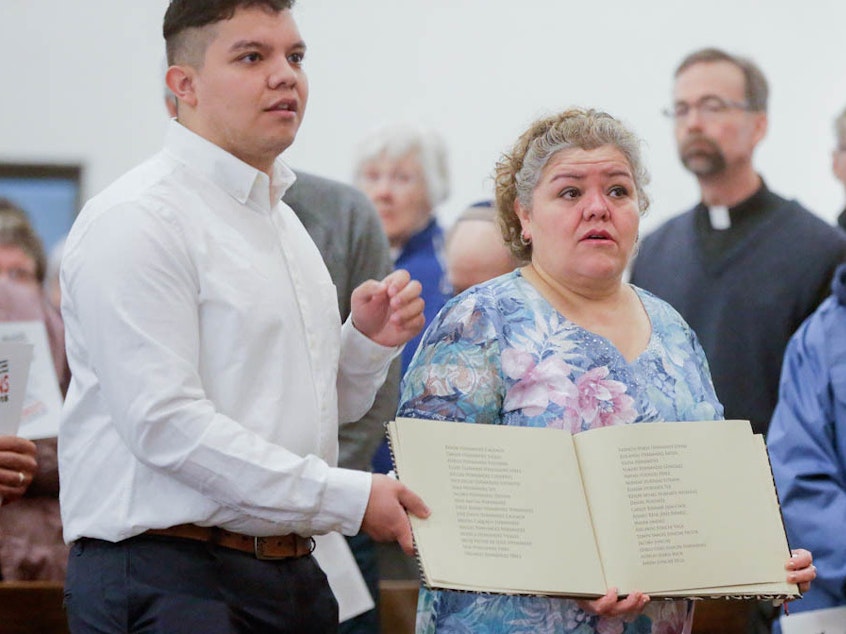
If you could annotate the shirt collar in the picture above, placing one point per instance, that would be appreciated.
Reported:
(756, 201)
(761, 196)
(238, 179)
(760, 202)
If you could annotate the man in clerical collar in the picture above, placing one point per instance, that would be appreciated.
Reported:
(745, 266)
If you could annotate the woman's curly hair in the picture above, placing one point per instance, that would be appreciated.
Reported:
(518, 171)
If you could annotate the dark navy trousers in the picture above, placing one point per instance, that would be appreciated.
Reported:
(165, 585)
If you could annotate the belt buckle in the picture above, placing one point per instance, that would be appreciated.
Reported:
(258, 550)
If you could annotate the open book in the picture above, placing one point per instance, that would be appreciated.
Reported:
(672, 509)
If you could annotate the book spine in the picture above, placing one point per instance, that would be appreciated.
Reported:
(421, 570)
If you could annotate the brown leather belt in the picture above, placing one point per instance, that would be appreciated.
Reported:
(276, 547)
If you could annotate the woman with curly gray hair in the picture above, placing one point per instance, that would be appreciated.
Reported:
(563, 342)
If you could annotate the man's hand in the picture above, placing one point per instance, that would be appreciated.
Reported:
(389, 312)
(17, 466)
(385, 518)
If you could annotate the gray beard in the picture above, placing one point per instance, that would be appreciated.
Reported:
(703, 162)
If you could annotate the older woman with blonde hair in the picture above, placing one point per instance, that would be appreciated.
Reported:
(564, 342)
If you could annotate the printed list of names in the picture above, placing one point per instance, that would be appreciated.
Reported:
(659, 503)
(484, 487)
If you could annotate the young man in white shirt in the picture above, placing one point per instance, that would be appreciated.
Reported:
(210, 368)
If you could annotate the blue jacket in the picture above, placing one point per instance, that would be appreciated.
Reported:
(807, 444)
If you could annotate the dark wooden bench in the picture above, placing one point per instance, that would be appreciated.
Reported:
(32, 607)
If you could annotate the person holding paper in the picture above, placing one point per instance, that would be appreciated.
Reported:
(31, 545)
(23, 276)
(563, 342)
(346, 230)
(17, 467)
(210, 366)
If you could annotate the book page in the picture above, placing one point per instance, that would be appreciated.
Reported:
(508, 510)
(681, 507)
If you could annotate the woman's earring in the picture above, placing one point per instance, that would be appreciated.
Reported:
(525, 240)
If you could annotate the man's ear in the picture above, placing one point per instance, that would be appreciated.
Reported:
(761, 125)
(180, 80)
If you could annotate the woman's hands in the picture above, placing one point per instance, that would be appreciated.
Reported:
(612, 605)
(801, 569)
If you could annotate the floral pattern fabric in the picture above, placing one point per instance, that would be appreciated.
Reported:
(501, 354)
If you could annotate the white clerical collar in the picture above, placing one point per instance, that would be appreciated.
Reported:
(719, 217)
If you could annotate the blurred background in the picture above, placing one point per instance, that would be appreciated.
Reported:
(82, 82)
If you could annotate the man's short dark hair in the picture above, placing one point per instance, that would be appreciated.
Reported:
(757, 91)
(190, 14)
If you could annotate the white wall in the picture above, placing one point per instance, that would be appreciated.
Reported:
(81, 81)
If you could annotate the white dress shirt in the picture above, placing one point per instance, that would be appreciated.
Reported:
(203, 337)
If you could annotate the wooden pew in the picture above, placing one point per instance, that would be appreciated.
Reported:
(397, 606)
(721, 616)
(32, 607)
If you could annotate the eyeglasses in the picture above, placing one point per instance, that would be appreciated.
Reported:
(709, 108)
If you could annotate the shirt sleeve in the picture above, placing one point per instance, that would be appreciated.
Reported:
(363, 368)
(133, 293)
(368, 257)
(806, 445)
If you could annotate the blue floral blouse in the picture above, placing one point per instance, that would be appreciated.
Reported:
(501, 354)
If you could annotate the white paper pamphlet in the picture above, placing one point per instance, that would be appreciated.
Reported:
(828, 621)
(336, 559)
(42, 404)
(15, 359)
